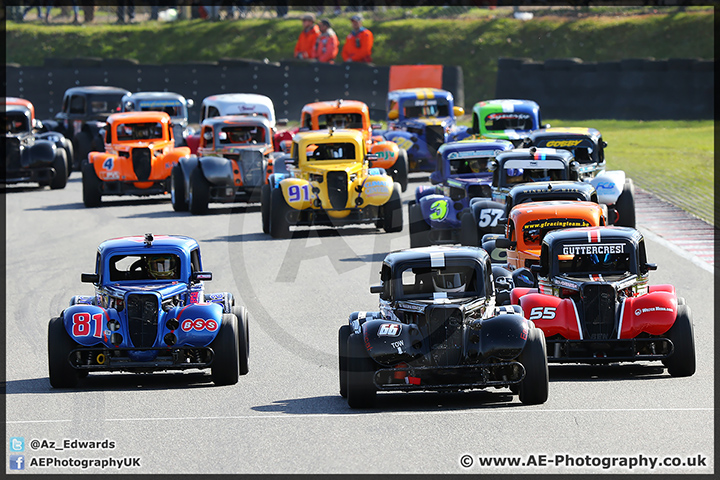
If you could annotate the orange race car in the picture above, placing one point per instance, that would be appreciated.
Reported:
(355, 115)
(138, 158)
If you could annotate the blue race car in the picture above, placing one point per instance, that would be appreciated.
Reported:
(461, 174)
(149, 312)
(419, 121)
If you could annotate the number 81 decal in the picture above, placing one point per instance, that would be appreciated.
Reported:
(546, 313)
(81, 325)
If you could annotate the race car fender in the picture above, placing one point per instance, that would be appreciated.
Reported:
(401, 138)
(107, 165)
(377, 189)
(41, 153)
(174, 155)
(187, 164)
(87, 324)
(437, 210)
(609, 186)
(358, 318)
(458, 132)
(199, 324)
(552, 315)
(423, 191)
(503, 336)
(274, 179)
(389, 342)
(387, 153)
(653, 313)
(487, 215)
(297, 193)
(662, 288)
(217, 170)
(518, 292)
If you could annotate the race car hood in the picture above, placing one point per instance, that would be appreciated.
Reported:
(422, 305)
(470, 179)
(234, 149)
(577, 282)
(321, 168)
(423, 122)
(164, 289)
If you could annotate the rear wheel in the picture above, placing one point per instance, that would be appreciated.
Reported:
(400, 169)
(92, 194)
(279, 209)
(265, 207)
(625, 205)
(360, 372)
(82, 145)
(177, 189)
(419, 228)
(60, 165)
(199, 197)
(62, 374)
(243, 338)
(225, 364)
(343, 335)
(682, 362)
(534, 387)
(392, 211)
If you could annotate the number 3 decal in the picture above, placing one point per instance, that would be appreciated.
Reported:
(546, 313)
(438, 210)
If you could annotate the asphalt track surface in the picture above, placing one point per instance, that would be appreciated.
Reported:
(286, 415)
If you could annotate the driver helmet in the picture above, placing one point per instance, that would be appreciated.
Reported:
(161, 266)
(477, 165)
(448, 282)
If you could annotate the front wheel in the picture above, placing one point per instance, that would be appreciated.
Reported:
(469, 235)
(360, 373)
(400, 169)
(92, 185)
(225, 364)
(177, 189)
(682, 362)
(62, 374)
(343, 335)
(392, 217)
(279, 210)
(265, 207)
(243, 338)
(534, 387)
(625, 205)
(60, 165)
(199, 193)
(419, 228)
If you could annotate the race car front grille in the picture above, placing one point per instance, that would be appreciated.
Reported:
(142, 312)
(599, 311)
(141, 163)
(337, 185)
(435, 136)
(251, 164)
(12, 153)
(444, 335)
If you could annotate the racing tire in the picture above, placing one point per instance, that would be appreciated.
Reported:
(279, 209)
(60, 165)
(343, 335)
(625, 205)
(681, 301)
(265, 208)
(419, 229)
(400, 169)
(682, 361)
(243, 338)
(69, 154)
(177, 189)
(225, 366)
(360, 372)
(534, 387)
(392, 215)
(92, 186)
(82, 144)
(469, 235)
(60, 344)
(199, 195)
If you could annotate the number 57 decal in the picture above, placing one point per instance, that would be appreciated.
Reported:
(546, 313)
(489, 217)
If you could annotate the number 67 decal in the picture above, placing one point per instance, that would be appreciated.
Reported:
(546, 313)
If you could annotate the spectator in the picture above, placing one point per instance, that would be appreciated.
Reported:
(306, 41)
(327, 45)
(130, 4)
(358, 44)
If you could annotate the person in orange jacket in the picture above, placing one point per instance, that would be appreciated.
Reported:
(308, 36)
(326, 45)
(358, 44)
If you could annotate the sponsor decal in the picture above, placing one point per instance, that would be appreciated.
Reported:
(562, 143)
(593, 249)
(605, 186)
(469, 153)
(398, 344)
(640, 311)
(562, 283)
(389, 330)
(199, 324)
(194, 297)
(556, 223)
(508, 116)
(545, 313)
(421, 103)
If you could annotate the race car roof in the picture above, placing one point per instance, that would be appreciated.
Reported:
(339, 105)
(563, 186)
(329, 135)
(564, 132)
(593, 235)
(96, 89)
(436, 255)
(148, 116)
(507, 105)
(419, 93)
(474, 148)
(238, 120)
(138, 243)
(534, 153)
(241, 104)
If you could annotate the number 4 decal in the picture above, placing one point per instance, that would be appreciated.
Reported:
(546, 313)
(489, 217)
(108, 163)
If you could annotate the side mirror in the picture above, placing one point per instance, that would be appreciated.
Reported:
(89, 277)
(376, 289)
(371, 157)
(393, 115)
(201, 276)
(281, 121)
(535, 268)
(505, 243)
(523, 277)
(458, 111)
(190, 103)
(651, 266)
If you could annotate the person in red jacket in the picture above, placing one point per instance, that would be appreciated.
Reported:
(358, 44)
(326, 45)
(308, 36)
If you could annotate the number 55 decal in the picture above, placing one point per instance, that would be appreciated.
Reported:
(546, 313)
(489, 217)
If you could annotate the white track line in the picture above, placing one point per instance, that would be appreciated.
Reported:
(680, 251)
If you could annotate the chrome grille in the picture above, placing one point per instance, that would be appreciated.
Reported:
(142, 313)
(141, 163)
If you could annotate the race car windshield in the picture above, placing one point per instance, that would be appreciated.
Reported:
(508, 121)
(241, 134)
(173, 109)
(340, 120)
(426, 108)
(139, 131)
(528, 175)
(446, 282)
(100, 105)
(591, 259)
(144, 267)
(16, 123)
(468, 165)
(331, 151)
